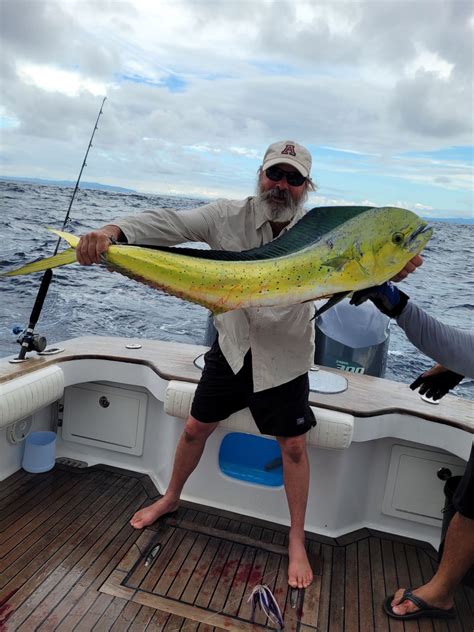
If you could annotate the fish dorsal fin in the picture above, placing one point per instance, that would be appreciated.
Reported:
(311, 228)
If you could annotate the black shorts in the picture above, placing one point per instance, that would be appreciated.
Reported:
(463, 500)
(282, 411)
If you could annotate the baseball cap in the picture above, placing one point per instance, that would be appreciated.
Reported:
(289, 153)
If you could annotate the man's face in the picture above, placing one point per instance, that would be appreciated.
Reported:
(280, 198)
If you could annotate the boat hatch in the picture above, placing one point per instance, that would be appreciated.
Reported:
(206, 575)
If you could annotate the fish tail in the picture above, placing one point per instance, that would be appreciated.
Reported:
(62, 259)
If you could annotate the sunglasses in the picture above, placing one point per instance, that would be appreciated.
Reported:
(294, 178)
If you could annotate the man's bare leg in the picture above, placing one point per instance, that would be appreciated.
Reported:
(187, 456)
(296, 479)
(457, 559)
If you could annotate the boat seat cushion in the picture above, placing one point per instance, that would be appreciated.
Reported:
(29, 393)
(333, 429)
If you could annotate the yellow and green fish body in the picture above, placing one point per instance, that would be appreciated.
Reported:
(331, 250)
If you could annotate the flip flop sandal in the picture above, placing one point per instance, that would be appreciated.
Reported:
(425, 610)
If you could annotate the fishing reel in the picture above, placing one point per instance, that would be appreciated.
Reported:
(31, 341)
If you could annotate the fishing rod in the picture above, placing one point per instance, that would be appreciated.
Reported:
(28, 340)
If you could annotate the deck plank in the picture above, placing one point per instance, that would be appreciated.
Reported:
(403, 573)
(366, 605)
(381, 623)
(351, 588)
(324, 602)
(391, 580)
(142, 617)
(336, 615)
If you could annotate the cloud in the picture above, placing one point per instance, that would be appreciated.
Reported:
(36, 30)
(431, 107)
(55, 80)
(197, 90)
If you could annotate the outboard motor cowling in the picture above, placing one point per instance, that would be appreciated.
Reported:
(353, 339)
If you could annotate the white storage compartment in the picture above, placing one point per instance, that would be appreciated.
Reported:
(413, 490)
(111, 417)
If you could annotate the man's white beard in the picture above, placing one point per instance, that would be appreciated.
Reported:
(274, 210)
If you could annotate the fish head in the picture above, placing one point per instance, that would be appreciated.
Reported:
(401, 235)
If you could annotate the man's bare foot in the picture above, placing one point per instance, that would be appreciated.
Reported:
(425, 593)
(148, 515)
(300, 574)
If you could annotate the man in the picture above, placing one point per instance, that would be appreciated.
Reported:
(454, 348)
(262, 355)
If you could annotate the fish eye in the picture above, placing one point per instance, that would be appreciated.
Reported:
(397, 238)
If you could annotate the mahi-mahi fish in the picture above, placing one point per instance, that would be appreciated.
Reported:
(330, 251)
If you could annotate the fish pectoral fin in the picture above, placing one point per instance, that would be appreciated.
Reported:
(330, 303)
(337, 262)
(216, 310)
(364, 270)
(62, 259)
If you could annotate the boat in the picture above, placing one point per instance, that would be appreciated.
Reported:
(379, 457)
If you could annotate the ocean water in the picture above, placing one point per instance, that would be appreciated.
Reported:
(90, 300)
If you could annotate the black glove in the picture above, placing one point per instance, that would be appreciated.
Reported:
(386, 297)
(437, 385)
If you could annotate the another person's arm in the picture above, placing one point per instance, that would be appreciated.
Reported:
(449, 346)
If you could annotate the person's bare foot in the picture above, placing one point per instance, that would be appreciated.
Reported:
(424, 592)
(300, 574)
(148, 515)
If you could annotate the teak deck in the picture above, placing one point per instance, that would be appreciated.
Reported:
(69, 560)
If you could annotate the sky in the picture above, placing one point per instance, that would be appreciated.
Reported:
(380, 92)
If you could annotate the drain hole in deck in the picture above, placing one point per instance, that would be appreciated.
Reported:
(64, 460)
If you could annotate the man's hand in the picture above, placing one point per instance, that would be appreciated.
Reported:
(436, 382)
(410, 267)
(92, 245)
(386, 297)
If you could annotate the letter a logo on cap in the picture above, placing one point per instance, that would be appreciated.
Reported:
(289, 149)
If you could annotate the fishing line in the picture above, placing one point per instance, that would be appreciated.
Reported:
(28, 340)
